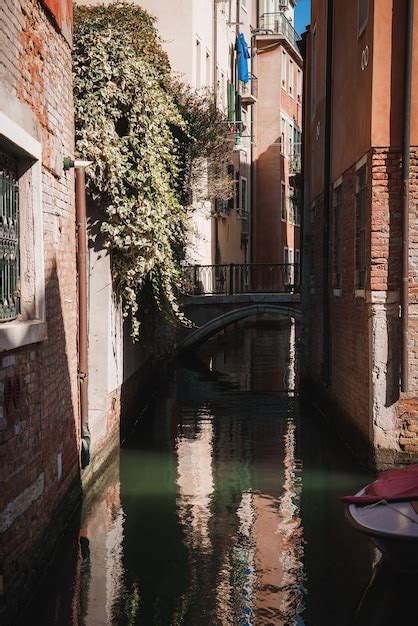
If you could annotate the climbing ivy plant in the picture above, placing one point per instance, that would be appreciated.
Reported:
(151, 141)
(205, 145)
(125, 115)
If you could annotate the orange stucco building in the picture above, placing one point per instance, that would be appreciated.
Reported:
(358, 350)
(278, 136)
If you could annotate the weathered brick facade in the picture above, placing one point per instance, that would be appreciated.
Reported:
(39, 400)
(353, 133)
(364, 338)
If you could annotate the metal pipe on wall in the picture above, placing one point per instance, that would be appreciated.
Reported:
(81, 220)
(406, 160)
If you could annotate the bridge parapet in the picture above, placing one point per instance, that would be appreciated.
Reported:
(236, 279)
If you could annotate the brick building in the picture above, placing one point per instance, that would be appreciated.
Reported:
(355, 132)
(39, 430)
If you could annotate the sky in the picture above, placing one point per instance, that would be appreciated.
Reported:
(302, 15)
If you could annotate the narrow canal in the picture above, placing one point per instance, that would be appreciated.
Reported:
(221, 508)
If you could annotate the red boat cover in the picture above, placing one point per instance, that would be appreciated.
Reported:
(392, 485)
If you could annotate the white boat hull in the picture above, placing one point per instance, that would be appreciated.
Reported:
(393, 527)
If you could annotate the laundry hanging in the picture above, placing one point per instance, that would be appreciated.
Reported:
(243, 56)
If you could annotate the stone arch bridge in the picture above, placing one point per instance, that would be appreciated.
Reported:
(246, 291)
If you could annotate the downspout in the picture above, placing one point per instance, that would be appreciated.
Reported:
(81, 225)
(327, 197)
(406, 160)
(81, 220)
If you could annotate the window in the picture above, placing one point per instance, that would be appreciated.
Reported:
(208, 70)
(298, 141)
(223, 90)
(291, 71)
(299, 85)
(9, 239)
(244, 119)
(198, 63)
(363, 15)
(361, 227)
(243, 201)
(313, 74)
(292, 211)
(22, 272)
(289, 273)
(297, 268)
(284, 69)
(283, 207)
(282, 135)
(244, 4)
(291, 140)
(337, 223)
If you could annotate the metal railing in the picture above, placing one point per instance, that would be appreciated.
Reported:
(278, 24)
(250, 88)
(232, 279)
(295, 163)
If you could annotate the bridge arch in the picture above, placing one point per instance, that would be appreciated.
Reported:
(216, 324)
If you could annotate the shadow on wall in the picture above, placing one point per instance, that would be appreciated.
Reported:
(41, 476)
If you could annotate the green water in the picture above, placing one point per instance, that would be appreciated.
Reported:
(223, 508)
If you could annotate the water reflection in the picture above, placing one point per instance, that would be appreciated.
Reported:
(223, 508)
(195, 481)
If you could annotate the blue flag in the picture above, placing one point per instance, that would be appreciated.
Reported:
(243, 56)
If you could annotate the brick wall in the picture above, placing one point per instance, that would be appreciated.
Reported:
(38, 426)
(365, 325)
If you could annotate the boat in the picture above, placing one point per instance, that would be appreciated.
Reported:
(387, 511)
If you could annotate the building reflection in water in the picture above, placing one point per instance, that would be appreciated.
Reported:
(86, 578)
(260, 574)
(201, 521)
(101, 539)
(195, 481)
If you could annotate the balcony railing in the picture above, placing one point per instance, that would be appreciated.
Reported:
(249, 91)
(278, 24)
(240, 279)
(295, 163)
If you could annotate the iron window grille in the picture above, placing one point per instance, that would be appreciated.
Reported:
(9, 240)
(361, 227)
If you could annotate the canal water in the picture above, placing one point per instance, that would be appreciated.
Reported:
(222, 507)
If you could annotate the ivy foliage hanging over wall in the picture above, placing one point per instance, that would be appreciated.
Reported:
(125, 115)
(154, 143)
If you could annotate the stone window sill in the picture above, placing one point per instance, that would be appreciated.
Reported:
(17, 334)
(338, 292)
(360, 293)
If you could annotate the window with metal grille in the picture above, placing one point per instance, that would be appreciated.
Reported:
(363, 15)
(361, 227)
(9, 239)
(338, 237)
